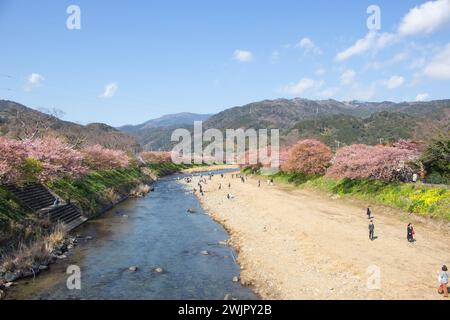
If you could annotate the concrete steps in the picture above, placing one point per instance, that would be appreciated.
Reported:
(33, 196)
(40, 200)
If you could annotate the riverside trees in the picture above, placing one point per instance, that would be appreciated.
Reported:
(384, 163)
(48, 158)
(310, 157)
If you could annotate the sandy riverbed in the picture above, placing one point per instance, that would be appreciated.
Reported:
(298, 244)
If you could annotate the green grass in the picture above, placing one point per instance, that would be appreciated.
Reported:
(419, 199)
(10, 209)
(88, 191)
(163, 169)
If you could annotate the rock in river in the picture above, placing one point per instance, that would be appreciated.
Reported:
(10, 276)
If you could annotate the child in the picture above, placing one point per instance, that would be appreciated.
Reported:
(443, 281)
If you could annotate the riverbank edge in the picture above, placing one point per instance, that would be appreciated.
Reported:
(247, 277)
(210, 168)
(66, 242)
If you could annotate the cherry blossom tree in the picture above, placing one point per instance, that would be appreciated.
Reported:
(12, 157)
(383, 163)
(57, 158)
(97, 157)
(310, 157)
(155, 157)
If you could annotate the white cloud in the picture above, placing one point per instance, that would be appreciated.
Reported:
(348, 77)
(439, 66)
(377, 65)
(243, 56)
(417, 63)
(394, 82)
(361, 93)
(308, 46)
(34, 80)
(320, 71)
(329, 92)
(373, 41)
(422, 97)
(303, 85)
(110, 90)
(426, 18)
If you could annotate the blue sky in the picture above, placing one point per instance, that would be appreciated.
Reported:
(136, 60)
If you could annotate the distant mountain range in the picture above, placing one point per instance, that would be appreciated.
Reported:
(166, 121)
(333, 122)
(19, 121)
(330, 121)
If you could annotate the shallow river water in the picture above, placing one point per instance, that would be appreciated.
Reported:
(155, 231)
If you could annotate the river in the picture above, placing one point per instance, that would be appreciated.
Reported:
(150, 232)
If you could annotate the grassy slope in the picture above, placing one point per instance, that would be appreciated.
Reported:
(10, 209)
(164, 169)
(91, 191)
(94, 193)
(420, 199)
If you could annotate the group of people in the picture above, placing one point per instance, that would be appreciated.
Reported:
(410, 232)
(409, 229)
(443, 275)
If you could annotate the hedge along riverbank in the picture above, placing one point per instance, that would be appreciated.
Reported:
(420, 199)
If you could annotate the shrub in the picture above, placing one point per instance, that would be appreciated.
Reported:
(436, 159)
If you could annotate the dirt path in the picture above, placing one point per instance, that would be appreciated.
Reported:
(296, 244)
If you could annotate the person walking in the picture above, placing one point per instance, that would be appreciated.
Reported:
(229, 186)
(371, 230)
(410, 233)
(259, 183)
(369, 212)
(443, 281)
